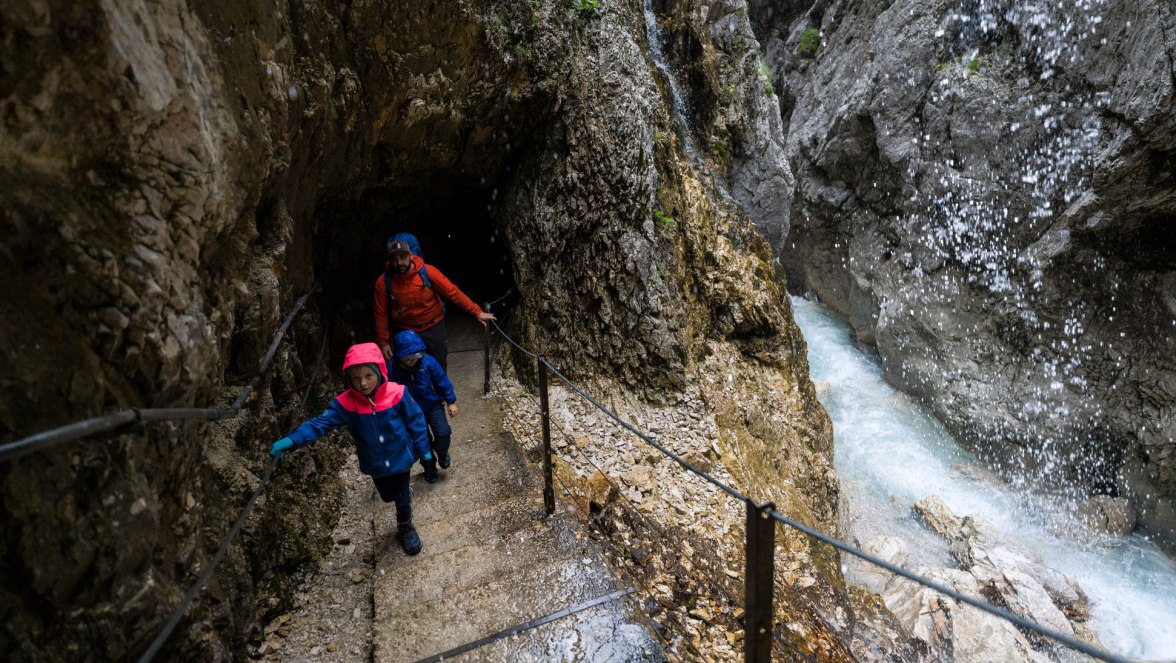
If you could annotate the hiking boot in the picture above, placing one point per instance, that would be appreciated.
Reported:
(409, 539)
(431, 475)
(444, 461)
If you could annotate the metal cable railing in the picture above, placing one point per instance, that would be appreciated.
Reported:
(637, 578)
(760, 547)
(127, 418)
(486, 307)
(192, 592)
(121, 421)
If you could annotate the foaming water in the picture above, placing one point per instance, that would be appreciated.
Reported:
(891, 452)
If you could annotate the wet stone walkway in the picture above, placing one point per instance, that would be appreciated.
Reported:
(491, 560)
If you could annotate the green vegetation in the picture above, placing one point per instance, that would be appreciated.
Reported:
(810, 39)
(659, 137)
(585, 6)
(973, 67)
(765, 75)
(663, 221)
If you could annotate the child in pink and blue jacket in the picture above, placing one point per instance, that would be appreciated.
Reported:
(388, 428)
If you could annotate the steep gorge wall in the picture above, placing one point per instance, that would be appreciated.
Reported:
(171, 181)
(155, 234)
(986, 190)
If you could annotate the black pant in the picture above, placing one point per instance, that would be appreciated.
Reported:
(395, 488)
(436, 343)
(438, 428)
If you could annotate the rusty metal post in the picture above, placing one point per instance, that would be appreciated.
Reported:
(548, 487)
(760, 552)
(486, 352)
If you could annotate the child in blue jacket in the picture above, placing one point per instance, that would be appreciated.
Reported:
(432, 390)
(388, 428)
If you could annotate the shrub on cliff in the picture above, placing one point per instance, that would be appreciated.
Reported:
(810, 39)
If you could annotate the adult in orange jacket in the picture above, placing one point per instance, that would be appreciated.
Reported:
(408, 296)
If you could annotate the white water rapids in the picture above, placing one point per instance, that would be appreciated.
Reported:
(891, 452)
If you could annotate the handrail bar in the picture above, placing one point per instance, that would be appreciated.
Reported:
(131, 416)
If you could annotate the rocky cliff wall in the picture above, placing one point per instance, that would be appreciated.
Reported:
(175, 175)
(986, 190)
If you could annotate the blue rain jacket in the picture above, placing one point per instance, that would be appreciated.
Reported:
(427, 381)
(389, 428)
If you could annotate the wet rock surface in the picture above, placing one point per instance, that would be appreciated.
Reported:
(175, 175)
(987, 201)
(1009, 575)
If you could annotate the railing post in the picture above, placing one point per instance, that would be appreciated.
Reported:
(760, 551)
(545, 411)
(486, 352)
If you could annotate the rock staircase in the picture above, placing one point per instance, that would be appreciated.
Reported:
(492, 560)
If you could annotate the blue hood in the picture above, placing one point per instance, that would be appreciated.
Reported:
(406, 343)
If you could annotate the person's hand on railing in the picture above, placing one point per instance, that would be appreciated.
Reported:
(485, 317)
(281, 447)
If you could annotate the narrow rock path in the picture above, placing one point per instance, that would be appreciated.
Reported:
(491, 560)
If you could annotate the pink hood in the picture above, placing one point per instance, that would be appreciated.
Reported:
(387, 394)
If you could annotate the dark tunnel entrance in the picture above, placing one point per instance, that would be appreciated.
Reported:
(454, 224)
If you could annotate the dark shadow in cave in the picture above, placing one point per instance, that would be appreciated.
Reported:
(451, 219)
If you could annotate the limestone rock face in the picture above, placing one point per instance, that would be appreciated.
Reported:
(1023, 583)
(990, 203)
(948, 626)
(730, 107)
(993, 569)
(1108, 515)
(174, 174)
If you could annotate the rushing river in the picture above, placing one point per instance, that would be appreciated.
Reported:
(891, 452)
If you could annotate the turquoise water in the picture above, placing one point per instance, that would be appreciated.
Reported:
(890, 452)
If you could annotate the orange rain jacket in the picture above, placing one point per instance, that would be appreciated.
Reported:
(417, 306)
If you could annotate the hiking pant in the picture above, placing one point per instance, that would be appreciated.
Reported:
(436, 343)
(395, 488)
(438, 428)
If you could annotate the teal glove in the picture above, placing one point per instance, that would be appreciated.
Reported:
(281, 447)
(427, 456)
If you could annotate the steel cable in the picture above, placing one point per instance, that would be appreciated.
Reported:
(122, 420)
(178, 613)
(190, 596)
(640, 579)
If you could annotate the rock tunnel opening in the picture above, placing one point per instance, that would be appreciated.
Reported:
(454, 223)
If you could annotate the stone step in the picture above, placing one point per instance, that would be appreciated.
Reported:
(607, 632)
(525, 593)
(490, 522)
(478, 563)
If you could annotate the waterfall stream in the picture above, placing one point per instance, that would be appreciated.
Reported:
(891, 452)
(653, 38)
(678, 105)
